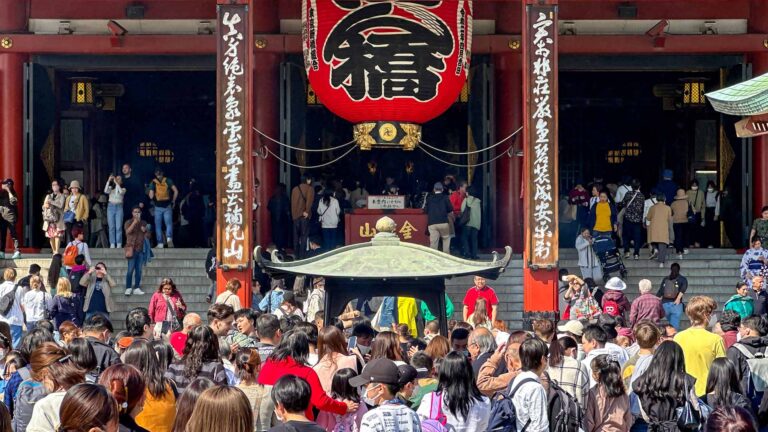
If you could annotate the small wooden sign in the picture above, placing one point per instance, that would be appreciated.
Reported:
(386, 202)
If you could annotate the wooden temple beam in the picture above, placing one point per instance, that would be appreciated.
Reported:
(483, 44)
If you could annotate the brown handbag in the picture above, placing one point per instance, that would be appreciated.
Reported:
(129, 252)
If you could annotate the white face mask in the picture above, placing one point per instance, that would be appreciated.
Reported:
(710, 190)
(694, 188)
(364, 349)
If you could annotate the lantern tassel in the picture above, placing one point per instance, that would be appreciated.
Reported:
(508, 153)
(265, 150)
(302, 149)
(474, 151)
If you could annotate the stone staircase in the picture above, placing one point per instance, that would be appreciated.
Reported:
(712, 272)
(184, 266)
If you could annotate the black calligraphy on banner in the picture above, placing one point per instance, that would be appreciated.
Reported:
(375, 53)
(232, 143)
(542, 121)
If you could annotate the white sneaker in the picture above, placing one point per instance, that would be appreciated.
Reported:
(685, 251)
(160, 246)
(112, 246)
(679, 256)
(710, 247)
(119, 245)
(16, 255)
(138, 291)
(626, 254)
(661, 265)
(170, 242)
(128, 291)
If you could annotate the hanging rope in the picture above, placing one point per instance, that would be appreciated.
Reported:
(471, 152)
(508, 153)
(303, 149)
(264, 150)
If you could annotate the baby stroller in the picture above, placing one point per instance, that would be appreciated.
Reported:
(609, 256)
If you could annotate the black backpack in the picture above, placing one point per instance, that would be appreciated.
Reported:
(465, 216)
(7, 300)
(564, 412)
(503, 414)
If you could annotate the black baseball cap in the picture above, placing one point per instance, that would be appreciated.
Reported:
(408, 373)
(381, 370)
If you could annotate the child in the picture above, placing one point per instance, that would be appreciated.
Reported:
(342, 390)
(607, 402)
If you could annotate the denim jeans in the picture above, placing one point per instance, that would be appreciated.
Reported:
(17, 332)
(329, 239)
(134, 264)
(673, 312)
(163, 214)
(469, 241)
(115, 222)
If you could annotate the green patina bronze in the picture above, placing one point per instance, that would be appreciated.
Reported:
(743, 99)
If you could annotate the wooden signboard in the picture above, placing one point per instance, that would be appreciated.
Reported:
(540, 117)
(233, 139)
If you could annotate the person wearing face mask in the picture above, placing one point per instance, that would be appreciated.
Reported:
(711, 222)
(696, 202)
(53, 216)
(360, 342)
(381, 379)
(98, 297)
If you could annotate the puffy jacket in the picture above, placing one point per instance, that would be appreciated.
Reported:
(106, 356)
(67, 309)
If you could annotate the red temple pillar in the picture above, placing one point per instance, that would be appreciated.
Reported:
(508, 87)
(266, 107)
(12, 20)
(758, 23)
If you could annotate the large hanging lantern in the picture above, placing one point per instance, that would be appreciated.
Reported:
(387, 66)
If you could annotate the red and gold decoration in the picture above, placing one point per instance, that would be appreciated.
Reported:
(387, 66)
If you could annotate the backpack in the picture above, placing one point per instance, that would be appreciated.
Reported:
(503, 416)
(611, 308)
(464, 217)
(6, 301)
(564, 412)
(437, 421)
(70, 253)
(28, 393)
(161, 190)
(670, 289)
(757, 368)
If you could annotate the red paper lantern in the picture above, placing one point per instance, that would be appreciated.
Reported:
(387, 64)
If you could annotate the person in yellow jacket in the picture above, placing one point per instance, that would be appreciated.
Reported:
(406, 313)
(78, 204)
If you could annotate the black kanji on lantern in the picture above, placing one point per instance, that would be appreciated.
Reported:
(374, 53)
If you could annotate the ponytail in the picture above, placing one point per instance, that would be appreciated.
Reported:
(609, 375)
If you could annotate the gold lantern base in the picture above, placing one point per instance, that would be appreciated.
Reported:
(387, 134)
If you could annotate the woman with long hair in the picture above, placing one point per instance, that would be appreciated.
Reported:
(663, 388)
(167, 308)
(290, 358)
(438, 347)
(36, 302)
(723, 387)
(569, 373)
(164, 352)
(328, 211)
(457, 396)
(53, 218)
(200, 358)
(386, 344)
(221, 408)
(187, 401)
(730, 419)
(84, 356)
(66, 306)
(88, 408)
(480, 318)
(332, 355)
(127, 386)
(342, 390)
(53, 367)
(607, 407)
(56, 270)
(247, 367)
(160, 400)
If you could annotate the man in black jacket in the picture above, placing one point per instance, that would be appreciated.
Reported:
(97, 330)
(438, 207)
(753, 342)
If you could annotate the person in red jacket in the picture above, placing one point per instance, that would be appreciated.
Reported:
(458, 196)
(290, 358)
(166, 308)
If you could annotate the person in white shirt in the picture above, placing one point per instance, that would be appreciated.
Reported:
(328, 210)
(114, 188)
(623, 188)
(380, 378)
(36, 302)
(457, 397)
(595, 343)
(527, 393)
(15, 316)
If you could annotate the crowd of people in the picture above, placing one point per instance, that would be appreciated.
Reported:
(608, 365)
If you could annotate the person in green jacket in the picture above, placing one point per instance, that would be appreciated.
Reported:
(470, 230)
(427, 314)
(741, 302)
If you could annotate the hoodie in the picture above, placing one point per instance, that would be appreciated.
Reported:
(742, 305)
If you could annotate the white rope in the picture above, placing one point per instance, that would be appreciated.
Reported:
(508, 153)
(471, 152)
(264, 156)
(302, 149)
